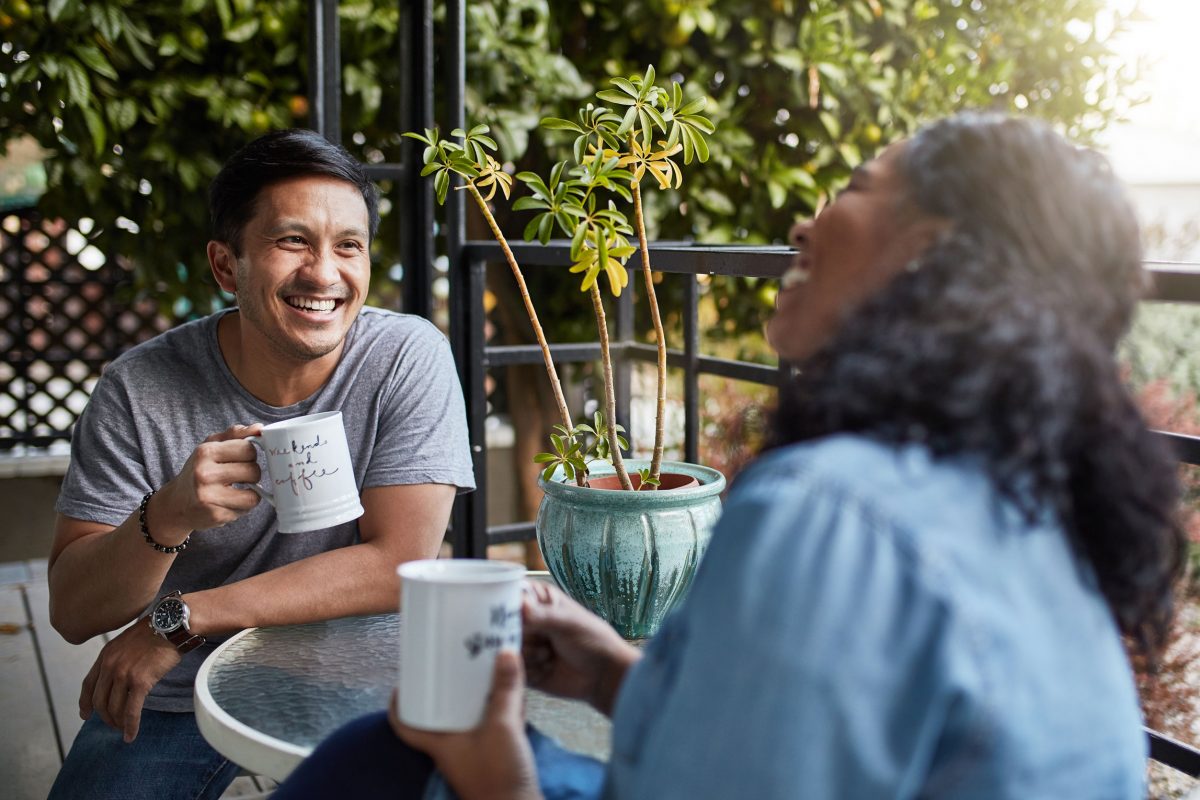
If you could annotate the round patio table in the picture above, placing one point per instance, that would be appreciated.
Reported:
(267, 696)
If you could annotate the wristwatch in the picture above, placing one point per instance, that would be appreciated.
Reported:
(169, 619)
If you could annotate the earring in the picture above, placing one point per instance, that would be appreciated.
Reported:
(913, 266)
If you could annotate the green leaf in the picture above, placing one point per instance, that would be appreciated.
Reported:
(613, 96)
(107, 20)
(625, 86)
(55, 9)
(777, 194)
(78, 88)
(542, 458)
(189, 175)
(548, 472)
(224, 13)
(556, 124)
(528, 203)
(286, 55)
(699, 123)
(577, 241)
(243, 30)
(169, 45)
(531, 229)
(95, 127)
(136, 49)
(92, 57)
(831, 124)
(22, 73)
(122, 113)
(441, 185)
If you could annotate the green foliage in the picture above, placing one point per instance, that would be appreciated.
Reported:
(646, 480)
(576, 448)
(804, 90)
(140, 101)
(611, 151)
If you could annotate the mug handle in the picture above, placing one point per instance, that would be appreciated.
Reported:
(263, 493)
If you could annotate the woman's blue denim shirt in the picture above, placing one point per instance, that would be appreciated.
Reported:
(871, 623)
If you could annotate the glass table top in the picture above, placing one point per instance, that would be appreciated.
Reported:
(299, 683)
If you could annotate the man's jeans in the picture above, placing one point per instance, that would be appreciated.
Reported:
(169, 760)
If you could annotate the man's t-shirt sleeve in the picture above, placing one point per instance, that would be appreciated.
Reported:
(106, 477)
(422, 434)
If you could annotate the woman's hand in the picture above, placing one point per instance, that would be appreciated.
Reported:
(571, 652)
(494, 761)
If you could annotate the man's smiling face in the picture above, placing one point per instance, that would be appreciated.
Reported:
(303, 268)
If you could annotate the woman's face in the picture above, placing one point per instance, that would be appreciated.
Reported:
(851, 250)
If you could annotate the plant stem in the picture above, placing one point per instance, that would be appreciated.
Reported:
(610, 402)
(555, 384)
(660, 337)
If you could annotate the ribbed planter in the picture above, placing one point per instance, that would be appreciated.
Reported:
(628, 556)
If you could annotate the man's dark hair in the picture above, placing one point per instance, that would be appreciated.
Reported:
(998, 345)
(275, 157)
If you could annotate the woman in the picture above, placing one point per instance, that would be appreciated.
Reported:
(921, 589)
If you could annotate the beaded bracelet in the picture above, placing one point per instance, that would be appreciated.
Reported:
(179, 548)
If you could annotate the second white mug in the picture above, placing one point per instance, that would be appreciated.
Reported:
(455, 615)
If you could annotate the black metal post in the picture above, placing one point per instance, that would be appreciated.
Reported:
(324, 70)
(691, 370)
(467, 280)
(417, 218)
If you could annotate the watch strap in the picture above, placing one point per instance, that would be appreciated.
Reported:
(184, 640)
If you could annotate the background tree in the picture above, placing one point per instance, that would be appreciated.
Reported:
(139, 101)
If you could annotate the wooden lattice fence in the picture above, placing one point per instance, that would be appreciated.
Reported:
(63, 320)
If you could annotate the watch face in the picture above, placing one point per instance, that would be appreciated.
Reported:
(168, 615)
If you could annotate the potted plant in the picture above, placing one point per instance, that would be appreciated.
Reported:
(628, 555)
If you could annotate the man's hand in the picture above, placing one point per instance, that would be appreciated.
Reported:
(202, 495)
(494, 761)
(124, 673)
(569, 651)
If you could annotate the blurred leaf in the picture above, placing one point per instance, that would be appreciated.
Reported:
(55, 9)
(242, 30)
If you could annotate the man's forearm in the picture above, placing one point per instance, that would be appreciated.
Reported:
(103, 579)
(100, 578)
(360, 579)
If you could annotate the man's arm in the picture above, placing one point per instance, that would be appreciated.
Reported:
(400, 523)
(101, 577)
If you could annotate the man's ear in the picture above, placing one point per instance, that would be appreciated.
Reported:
(223, 263)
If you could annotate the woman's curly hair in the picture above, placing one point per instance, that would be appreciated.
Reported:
(1000, 342)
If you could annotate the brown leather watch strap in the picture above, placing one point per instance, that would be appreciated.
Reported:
(184, 641)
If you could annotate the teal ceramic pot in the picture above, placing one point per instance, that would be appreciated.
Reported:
(628, 556)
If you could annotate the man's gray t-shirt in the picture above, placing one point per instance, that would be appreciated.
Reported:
(401, 403)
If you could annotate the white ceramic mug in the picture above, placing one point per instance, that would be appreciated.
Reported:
(309, 471)
(455, 615)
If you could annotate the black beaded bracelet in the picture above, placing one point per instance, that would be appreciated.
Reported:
(179, 548)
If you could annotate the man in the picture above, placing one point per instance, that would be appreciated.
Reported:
(293, 217)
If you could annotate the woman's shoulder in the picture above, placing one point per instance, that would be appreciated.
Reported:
(875, 472)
